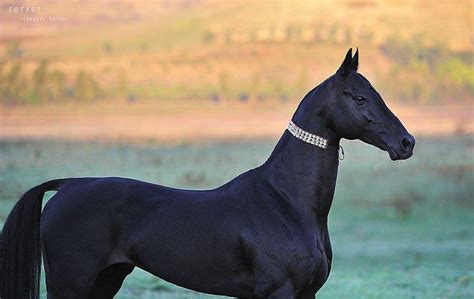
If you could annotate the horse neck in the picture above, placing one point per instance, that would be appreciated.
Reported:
(304, 173)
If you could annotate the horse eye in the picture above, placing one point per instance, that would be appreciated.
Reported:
(359, 100)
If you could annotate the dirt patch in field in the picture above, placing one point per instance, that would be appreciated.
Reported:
(194, 120)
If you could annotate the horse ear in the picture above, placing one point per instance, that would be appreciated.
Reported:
(355, 61)
(345, 67)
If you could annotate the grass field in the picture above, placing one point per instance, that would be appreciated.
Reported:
(399, 229)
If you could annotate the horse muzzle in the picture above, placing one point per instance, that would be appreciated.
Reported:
(403, 150)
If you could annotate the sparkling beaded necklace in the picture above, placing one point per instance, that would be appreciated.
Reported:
(306, 136)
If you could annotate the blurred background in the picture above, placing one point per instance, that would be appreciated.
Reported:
(191, 93)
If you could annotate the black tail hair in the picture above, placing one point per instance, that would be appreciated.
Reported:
(20, 248)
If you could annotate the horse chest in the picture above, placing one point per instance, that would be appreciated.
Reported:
(310, 267)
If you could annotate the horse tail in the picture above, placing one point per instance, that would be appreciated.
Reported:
(20, 248)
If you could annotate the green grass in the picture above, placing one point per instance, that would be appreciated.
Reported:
(398, 229)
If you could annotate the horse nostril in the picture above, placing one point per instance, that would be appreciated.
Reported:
(406, 143)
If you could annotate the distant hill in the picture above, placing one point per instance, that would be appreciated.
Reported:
(418, 51)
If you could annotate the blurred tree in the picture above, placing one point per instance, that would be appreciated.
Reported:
(3, 84)
(16, 89)
(122, 85)
(460, 73)
(254, 85)
(227, 36)
(14, 50)
(208, 37)
(278, 88)
(39, 80)
(366, 35)
(293, 33)
(426, 73)
(85, 87)
(348, 36)
(224, 84)
(332, 34)
(57, 86)
(107, 47)
(144, 46)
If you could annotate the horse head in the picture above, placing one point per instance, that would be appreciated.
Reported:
(353, 109)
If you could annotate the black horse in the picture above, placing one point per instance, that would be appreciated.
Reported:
(263, 234)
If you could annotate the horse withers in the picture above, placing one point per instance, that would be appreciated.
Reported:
(262, 235)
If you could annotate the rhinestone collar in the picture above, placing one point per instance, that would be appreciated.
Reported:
(306, 136)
